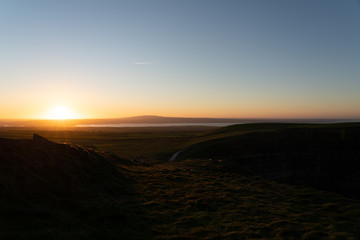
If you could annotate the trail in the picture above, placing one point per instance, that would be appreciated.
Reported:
(173, 158)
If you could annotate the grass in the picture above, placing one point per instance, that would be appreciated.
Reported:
(61, 217)
(153, 144)
(191, 199)
(194, 199)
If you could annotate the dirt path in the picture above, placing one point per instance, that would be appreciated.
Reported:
(173, 158)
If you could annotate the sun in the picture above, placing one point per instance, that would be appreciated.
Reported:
(61, 112)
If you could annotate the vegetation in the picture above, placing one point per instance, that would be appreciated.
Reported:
(321, 156)
(61, 191)
(199, 197)
(196, 199)
(156, 143)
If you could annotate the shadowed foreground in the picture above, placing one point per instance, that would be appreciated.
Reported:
(61, 191)
(198, 200)
(322, 156)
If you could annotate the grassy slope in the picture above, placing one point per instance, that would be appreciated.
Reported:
(248, 138)
(321, 156)
(150, 143)
(187, 200)
(192, 199)
(195, 200)
(59, 191)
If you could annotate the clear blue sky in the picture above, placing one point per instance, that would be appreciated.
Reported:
(255, 58)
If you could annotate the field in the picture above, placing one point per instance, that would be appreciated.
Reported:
(195, 198)
(153, 144)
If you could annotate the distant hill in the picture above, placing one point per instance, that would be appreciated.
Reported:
(158, 119)
(132, 120)
(323, 156)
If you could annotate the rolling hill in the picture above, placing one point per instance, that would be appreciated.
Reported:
(52, 190)
(323, 156)
(61, 191)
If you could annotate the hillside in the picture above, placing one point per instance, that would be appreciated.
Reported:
(199, 199)
(39, 165)
(52, 190)
(323, 156)
(60, 191)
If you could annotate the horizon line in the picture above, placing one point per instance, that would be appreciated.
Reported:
(157, 116)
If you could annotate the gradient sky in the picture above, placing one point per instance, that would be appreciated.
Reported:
(279, 58)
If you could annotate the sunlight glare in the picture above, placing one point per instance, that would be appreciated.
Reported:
(60, 113)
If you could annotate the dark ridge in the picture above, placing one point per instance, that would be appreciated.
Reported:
(39, 165)
(60, 191)
(37, 139)
(324, 157)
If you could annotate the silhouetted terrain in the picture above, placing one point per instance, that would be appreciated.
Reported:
(151, 119)
(40, 165)
(326, 157)
(213, 190)
(60, 191)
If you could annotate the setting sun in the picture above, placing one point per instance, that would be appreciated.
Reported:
(60, 113)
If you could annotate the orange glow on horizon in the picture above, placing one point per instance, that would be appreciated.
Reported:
(61, 112)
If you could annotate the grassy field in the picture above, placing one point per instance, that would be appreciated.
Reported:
(195, 200)
(152, 144)
(189, 199)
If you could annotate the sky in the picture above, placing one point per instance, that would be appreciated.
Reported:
(189, 58)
